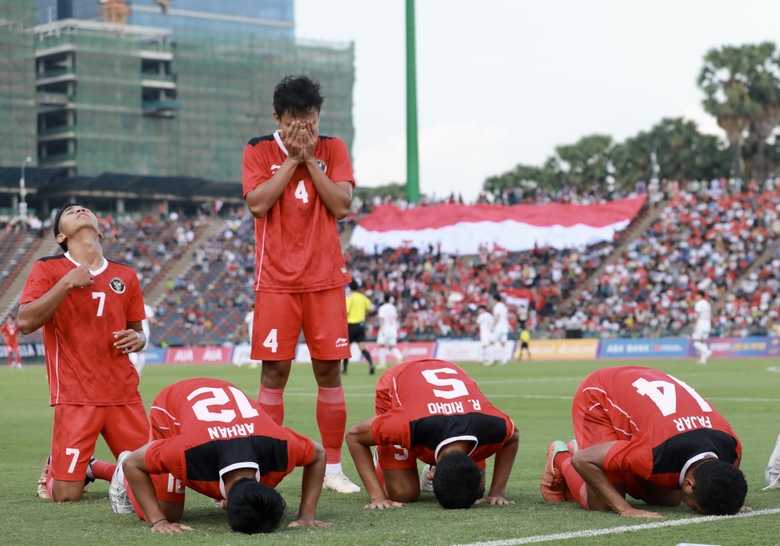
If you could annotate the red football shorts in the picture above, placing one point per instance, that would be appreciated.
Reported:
(76, 429)
(280, 317)
(592, 426)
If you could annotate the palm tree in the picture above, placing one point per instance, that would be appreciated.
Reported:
(724, 80)
(764, 91)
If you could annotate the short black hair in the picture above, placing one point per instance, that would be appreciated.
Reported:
(353, 285)
(388, 297)
(56, 224)
(720, 488)
(297, 95)
(253, 507)
(497, 296)
(456, 481)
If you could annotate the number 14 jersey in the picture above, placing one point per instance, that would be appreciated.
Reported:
(422, 405)
(662, 425)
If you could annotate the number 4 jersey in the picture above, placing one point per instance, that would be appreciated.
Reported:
(297, 242)
(422, 405)
(82, 364)
(661, 424)
(202, 428)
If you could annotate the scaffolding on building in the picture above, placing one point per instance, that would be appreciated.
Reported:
(140, 100)
(17, 82)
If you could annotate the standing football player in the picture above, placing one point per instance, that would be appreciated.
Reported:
(139, 359)
(701, 329)
(388, 332)
(501, 328)
(297, 183)
(11, 331)
(485, 323)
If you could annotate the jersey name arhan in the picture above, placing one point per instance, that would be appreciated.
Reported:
(215, 433)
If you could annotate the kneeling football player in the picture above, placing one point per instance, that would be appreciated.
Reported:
(207, 435)
(432, 411)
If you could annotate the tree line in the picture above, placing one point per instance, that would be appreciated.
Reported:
(741, 86)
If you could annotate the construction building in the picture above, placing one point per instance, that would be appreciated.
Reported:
(95, 101)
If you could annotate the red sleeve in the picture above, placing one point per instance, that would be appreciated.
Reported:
(135, 304)
(300, 449)
(164, 457)
(37, 284)
(254, 171)
(340, 168)
(391, 428)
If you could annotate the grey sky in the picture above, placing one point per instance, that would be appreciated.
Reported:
(502, 82)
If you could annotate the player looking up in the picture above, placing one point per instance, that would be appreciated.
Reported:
(297, 183)
(485, 323)
(388, 332)
(701, 329)
(647, 434)
(207, 435)
(11, 331)
(358, 306)
(91, 312)
(501, 327)
(432, 411)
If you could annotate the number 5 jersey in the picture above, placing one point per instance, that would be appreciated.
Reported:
(82, 364)
(662, 425)
(422, 405)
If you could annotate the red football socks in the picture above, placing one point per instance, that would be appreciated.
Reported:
(332, 420)
(574, 482)
(103, 470)
(272, 402)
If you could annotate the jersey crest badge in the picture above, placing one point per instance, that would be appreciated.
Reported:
(117, 285)
(322, 165)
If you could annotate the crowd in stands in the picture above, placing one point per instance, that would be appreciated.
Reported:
(705, 238)
(700, 241)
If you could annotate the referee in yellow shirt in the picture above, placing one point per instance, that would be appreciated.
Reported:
(358, 306)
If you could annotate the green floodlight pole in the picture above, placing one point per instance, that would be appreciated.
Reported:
(412, 155)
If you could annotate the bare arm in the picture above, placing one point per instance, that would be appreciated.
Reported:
(311, 486)
(132, 339)
(140, 483)
(359, 441)
(36, 313)
(502, 467)
(265, 195)
(589, 463)
(335, 195)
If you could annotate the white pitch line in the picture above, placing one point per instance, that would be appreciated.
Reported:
(621, 529)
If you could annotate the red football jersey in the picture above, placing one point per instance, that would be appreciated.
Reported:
(297, 245)
(10, 331)
(663, 425)
(209, 427)
(432, 403)
(82, 364)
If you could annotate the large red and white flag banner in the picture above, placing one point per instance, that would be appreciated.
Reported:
(463, 228)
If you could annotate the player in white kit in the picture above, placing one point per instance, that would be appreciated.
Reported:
(485, 322)
(387, 337)
(501, 327)
(701, 328)
(139, 359)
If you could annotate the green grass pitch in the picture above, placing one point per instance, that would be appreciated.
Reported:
(537, 395)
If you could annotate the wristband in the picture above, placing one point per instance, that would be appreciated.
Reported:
(158, 521)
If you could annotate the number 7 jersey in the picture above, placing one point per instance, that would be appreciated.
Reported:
(422, 405)
(661, 424)
(82, 364)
